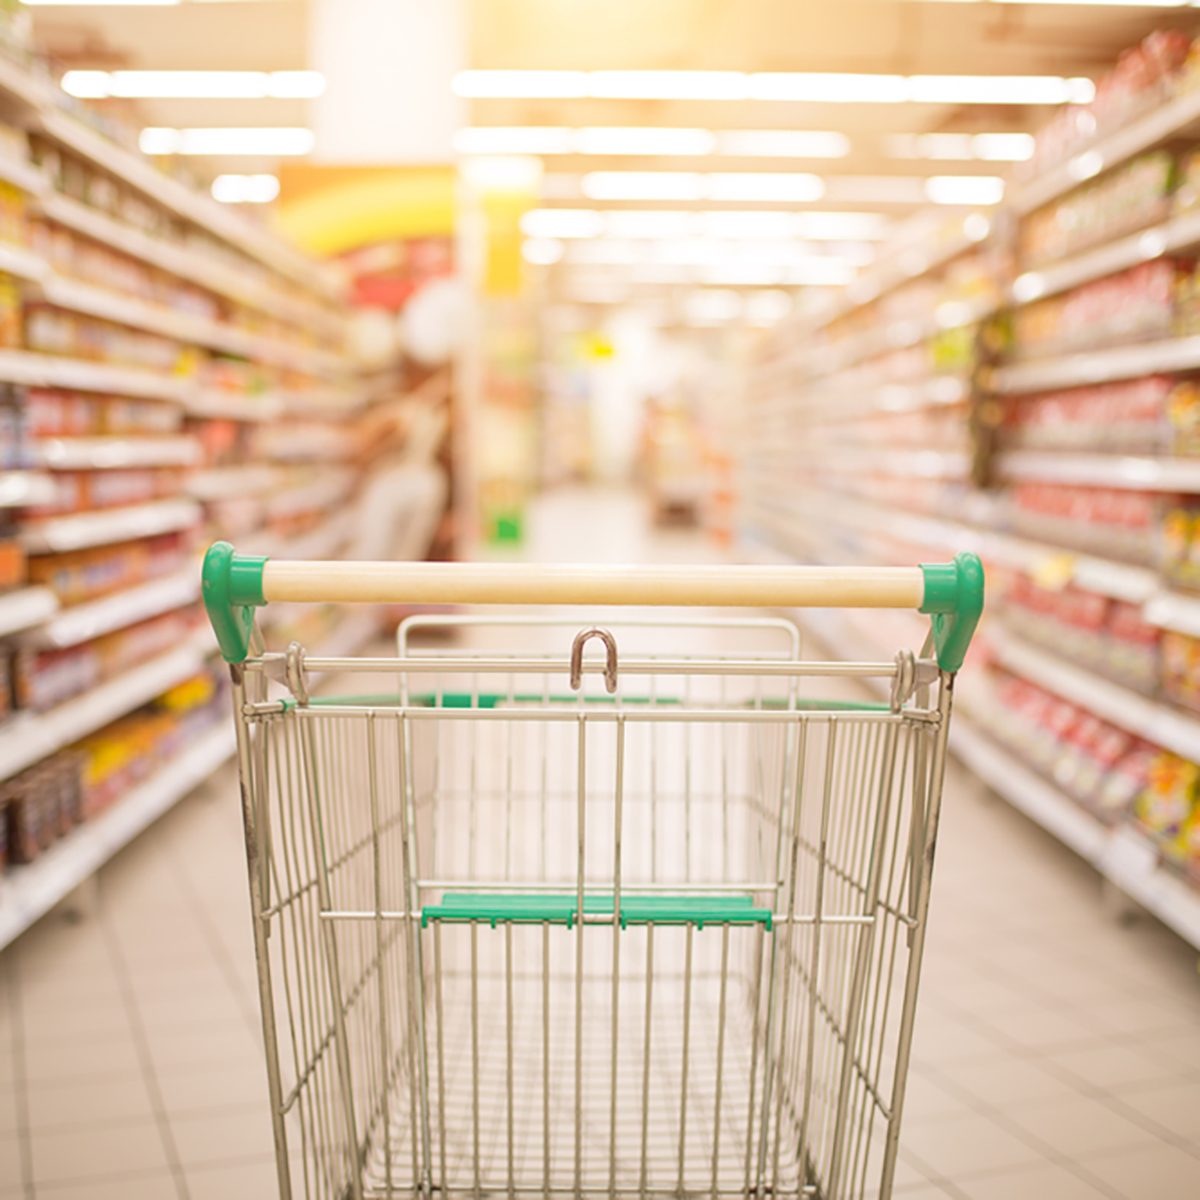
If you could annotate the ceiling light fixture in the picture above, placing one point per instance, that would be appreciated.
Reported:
(796, 86)
(783, 143)
(245, 189)
(965, 189)
(689, 185)
(267, 143)
(194, 85)
(617, 141)
(668, 223)
(519, 139)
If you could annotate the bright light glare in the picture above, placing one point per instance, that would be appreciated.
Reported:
(194, 85)
(688, 185)
(805, 87)
(568, 223)
(999, 89)
(667, 85)
(784, 143)
(643, 185)
(965, 189)
(562, 223)
(542, 251)
(513, 174)
(526, 85)
(525, 139)
(961, 147)
(232, 141)
(634, 140)
(245, 189)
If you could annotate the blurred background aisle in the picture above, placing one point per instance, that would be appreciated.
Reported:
(571, 279)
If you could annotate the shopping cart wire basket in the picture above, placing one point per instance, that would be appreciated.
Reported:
(627, 910)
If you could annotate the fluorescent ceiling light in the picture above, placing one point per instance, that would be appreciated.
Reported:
(784, 143)
(562, 223)
(245, 189)
(616, 140)
(230, 141)
(746, 185)
(712, 306)
(818, 88)
(673, 223)
(806, 87)
(521, 139)
(542, 251)
(690, 185)
(876, 189)
(635, 224)
(843, 226)
(194, 85)
(634, 140)
(511, 174)
(667, 85)
(643, 185)
(999, 89)
(961, 147)
(767, 308)
(965, 189)
(525, 85)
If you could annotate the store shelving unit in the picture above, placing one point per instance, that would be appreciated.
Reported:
(829, 471)
(248, 331)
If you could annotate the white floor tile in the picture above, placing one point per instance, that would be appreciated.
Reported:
(1036, 1008)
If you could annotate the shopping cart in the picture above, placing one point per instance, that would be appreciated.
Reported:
(644, 918)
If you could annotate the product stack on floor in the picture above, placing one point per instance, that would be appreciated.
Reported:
(1023, 385)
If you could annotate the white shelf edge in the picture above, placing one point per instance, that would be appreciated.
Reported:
(112, 453)
(231, 406)
(20, 489)
(26, 608)
(1156, 721)
(23, 175)
(1102, 365)
(102, 526)
(224, 483)
(48, 370)
(186, 263)
(1136, 472)
(83, 622)
(139, 173)
(23, 263)
(1177, 233)
(31, 736)
(1163, 122)
(28, 892)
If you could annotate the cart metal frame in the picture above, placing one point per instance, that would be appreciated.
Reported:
(532, 922)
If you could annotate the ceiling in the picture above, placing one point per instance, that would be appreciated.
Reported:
(870, 36)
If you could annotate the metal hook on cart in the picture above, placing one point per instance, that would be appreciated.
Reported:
(610, 657)
(295, 677)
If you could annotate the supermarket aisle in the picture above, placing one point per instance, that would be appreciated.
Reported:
(1058, 1053)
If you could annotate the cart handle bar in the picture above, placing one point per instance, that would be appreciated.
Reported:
(235, 584)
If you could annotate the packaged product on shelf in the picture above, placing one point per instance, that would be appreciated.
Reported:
(81, 575)
(1179, 554)
(1168, 801)
(1181, 668)
(14, 215)
(45, 678)
(1116, 523)
(1128, 198)
(11, 323)
(1187, 186)
(41, 805)
(14, 566)
(1132, 416)
(1136, 304)
(81, 491)
(15, 449)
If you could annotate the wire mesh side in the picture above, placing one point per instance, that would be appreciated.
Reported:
(540, 1059)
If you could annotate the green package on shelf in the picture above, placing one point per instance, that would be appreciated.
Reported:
(561, 908)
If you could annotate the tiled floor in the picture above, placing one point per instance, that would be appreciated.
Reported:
(1057, 1052)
